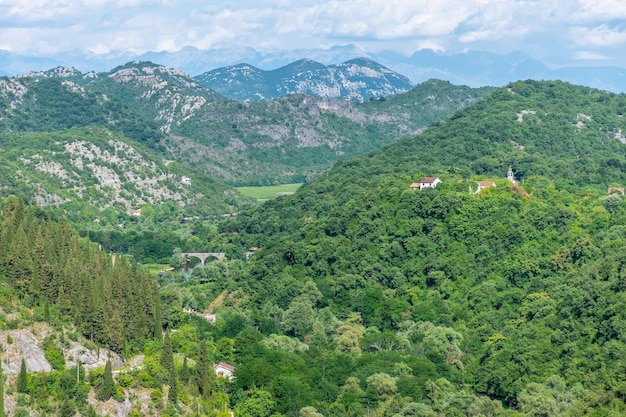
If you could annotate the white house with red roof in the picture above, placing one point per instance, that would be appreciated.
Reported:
(484, 184)
(224, 370)
(429, 182)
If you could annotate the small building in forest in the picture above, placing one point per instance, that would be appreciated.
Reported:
(224, 370)
(429, 182)
(484, 184)
(616, 190)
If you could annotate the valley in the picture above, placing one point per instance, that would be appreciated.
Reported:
(348, 292)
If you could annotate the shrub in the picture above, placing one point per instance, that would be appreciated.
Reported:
(119, 395)
(126, 380)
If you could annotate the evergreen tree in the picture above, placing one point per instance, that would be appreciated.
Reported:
(184, 374)
(22, 378)
(168, 368)
(204, 372)
(158, 322)
(172, 394)
(116, 332)
(106, 390)
(167, 360)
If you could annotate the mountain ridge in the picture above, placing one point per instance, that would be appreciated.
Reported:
(473, 68)
(357, 80)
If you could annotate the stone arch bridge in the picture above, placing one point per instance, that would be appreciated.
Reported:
(203, 256)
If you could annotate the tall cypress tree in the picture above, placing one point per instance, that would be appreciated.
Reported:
(183, 376)
(22, 378)
(106, 390)
(158, 322)
(167, 360)
(172, 394)
(204, 372)
(168, 370)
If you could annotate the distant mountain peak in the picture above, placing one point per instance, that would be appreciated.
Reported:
(356, 80)
(58, 72)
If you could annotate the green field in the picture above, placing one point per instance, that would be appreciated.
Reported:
(268, 192)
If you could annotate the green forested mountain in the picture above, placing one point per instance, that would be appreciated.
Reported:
(285, 140)
(365, 297)
(54, 101)
(65, 146)
(294, 138)
(372, 297)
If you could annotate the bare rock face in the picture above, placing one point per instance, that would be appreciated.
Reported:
(25, 345)
(91, 358)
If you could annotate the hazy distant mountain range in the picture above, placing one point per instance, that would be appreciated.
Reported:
(355, 80)
(473, 68)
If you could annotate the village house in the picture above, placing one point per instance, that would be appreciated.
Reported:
(484, 184)
(224, 370)
(616, 190)
(429, 182)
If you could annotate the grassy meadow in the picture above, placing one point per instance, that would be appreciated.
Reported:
(270, 191)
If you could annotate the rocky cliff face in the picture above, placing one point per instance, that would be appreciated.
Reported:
(173, 95)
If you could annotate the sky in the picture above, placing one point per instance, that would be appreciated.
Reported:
(558, 32)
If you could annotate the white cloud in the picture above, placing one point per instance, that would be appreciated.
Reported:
(600, 10)
(43, 26)
(600, 36)
(589, 56)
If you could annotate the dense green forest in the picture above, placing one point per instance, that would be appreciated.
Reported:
(368, 298)
(454, 299)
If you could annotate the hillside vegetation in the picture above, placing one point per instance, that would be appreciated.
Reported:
(290, 139)
(442, 301)
(356, 295)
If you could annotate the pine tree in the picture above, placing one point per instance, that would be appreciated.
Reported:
(22, 378)
(116, 332)
(106, 390)
(66, 410)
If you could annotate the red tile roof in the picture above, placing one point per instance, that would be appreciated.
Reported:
(224, 365)
(428, 180)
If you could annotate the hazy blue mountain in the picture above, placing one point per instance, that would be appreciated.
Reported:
(479, 68)
(473, 68)
(357, 80)
(13, 64)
